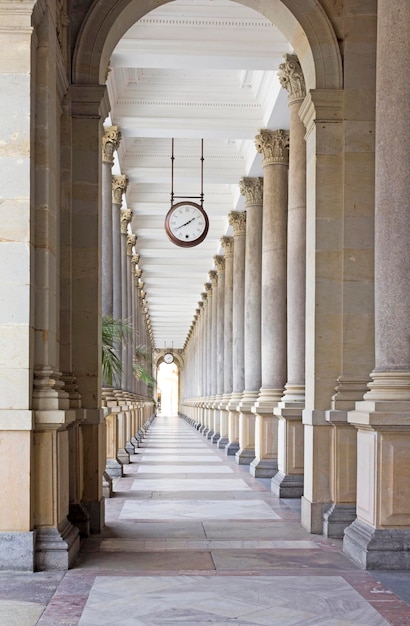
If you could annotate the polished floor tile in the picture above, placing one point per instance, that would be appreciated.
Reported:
(190, 539)
(184, 469)
(197, 509)
(242, 600)
(189, 484)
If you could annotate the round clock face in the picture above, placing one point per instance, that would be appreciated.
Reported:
(168, 357)
(186, 224)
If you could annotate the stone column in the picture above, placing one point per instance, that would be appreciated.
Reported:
(111, 142)
(252, 189)
(131, 241)
(274, 145)
(288, 482)
(214, 409)
(227, 244)
(380, 536)
(204, 318)
(126, 217)
(219, 345)
(208, 357)
(238, 222)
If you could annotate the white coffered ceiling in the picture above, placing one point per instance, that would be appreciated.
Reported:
(188, 70)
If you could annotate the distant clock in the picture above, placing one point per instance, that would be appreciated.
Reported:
(186, 224)
(168, 357)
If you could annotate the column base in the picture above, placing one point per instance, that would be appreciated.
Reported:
(96, 512)
(17, 551)
(215, 438)
(79, 517)
(210, 434)
(129, 448)
(56, 549)
(134, 442)
(287, 485)
(123, 456)
(106, 485)
(245, 456)
(114, 468)
(312, 515)
(263, 468)
(337, 518)
(222, 443)
(232, 448)
(374, 548)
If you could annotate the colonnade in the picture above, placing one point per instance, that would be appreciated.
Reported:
(303, 405)
(126, 400)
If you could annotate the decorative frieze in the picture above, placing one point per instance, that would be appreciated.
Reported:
(237, 220)
(274, 146)
(291, 77)
(119, 186)
(252, 189)
(110, 143)
(126, 217)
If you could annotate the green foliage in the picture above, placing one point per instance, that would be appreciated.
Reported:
(114, 334)
(141, 356)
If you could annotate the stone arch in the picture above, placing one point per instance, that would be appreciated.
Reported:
(303, 22)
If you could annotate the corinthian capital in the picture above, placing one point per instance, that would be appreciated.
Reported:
(110, 143)
(135, 260)
(227, 244)
(119, 186)
(213, 277)
(219, 261)
(237, 220)
(131, 241)
(252, 189)
(126, 217)
(291, 77)
(274, 146)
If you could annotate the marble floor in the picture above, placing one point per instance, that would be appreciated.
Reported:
(191, 538)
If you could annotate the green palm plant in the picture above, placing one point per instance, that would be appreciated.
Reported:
(141, 356)
(114, 334)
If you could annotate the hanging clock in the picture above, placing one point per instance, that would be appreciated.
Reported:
(168, 357)
(186, 224)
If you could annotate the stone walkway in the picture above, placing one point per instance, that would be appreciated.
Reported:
(191, 538)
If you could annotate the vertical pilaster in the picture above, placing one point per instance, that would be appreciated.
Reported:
(380, 535)
(87, 114)
(274, 145)
(322, 115)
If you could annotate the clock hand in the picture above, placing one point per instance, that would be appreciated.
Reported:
(186, 223)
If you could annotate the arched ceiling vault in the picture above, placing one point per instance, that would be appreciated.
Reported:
(193, 69)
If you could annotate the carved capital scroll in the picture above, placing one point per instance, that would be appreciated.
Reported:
(119, 186)
(110, 143)
(252, 189)
(274, 146)
(291, 77)
(126, 217)
(227, 244)
(237, 220)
